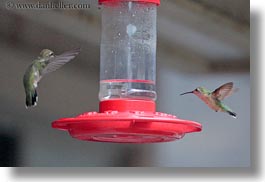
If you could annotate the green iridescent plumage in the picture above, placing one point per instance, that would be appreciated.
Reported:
(46, 62)
(214, 99)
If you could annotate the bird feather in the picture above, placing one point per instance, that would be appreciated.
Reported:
(224, 91)
(58, 61)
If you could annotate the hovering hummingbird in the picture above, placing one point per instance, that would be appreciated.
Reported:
(214, 99)
(46, 62)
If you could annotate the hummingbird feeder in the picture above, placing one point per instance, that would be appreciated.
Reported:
(127, 108)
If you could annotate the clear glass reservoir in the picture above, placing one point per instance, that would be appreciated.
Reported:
(128, 51)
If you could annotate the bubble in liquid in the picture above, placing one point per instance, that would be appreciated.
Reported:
(113, 51)
(147, 9)
(131, 29)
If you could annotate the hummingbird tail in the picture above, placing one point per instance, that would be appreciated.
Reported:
(233, 114)
(31, 99)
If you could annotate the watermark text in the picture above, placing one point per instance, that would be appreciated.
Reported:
(46, 5)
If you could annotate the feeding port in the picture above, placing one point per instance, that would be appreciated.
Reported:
(127, 95)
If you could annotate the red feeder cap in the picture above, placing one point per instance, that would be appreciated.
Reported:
(127, 121)
(123, 105)
(157, 2)
(127, 127)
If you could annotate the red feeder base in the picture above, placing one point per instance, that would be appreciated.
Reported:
(123, 124)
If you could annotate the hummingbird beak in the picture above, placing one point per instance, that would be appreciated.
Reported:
(191, 92)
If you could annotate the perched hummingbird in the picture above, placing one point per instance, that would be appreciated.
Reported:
(214, 99)
(46, 62)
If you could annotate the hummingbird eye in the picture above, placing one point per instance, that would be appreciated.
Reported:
(51, 54)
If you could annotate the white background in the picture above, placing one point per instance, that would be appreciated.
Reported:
(169, 174)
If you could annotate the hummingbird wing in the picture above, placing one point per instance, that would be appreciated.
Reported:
(224, 91)
(59, 60)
